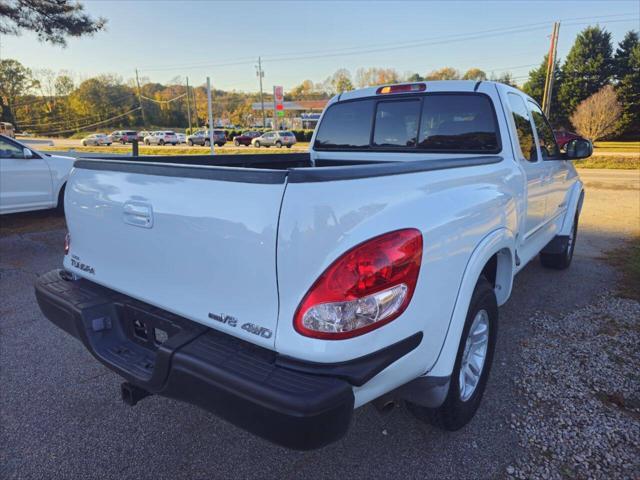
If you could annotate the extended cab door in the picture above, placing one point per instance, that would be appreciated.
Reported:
(535, 170)
(25, 183)
(556, 183)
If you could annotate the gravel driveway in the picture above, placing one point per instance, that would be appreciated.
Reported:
(61, 416)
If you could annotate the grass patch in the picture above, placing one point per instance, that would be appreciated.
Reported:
(616, 163)
(633, 147)
(627, 260)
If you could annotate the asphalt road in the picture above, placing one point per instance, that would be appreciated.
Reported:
(61, 415)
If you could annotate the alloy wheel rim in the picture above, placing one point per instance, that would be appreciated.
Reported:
(474, 355)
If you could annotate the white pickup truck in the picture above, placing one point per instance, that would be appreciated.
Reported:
(282, 291)
(30, 180)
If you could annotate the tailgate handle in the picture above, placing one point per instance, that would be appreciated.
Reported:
(138, 214)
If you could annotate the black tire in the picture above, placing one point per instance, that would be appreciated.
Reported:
(257, 144)
(220, 144)
(122, 141)
(174, 144)
(288, 146)
(84, 144)
(236, 143)
(455, 413)
(562, 260)
(279, 144)
(190, 143)
(161, 142)
(207, 143)
(147, 143)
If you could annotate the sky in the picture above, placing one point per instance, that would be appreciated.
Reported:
(298, 40)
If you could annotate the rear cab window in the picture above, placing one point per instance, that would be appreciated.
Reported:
(426, 123)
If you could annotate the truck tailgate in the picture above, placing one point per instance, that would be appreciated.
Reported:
(185, 239)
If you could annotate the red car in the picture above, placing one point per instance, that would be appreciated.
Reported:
(245, 138)
(563, 137)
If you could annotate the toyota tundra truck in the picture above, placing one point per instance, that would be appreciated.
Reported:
(281, 292)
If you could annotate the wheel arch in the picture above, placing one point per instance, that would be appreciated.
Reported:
(493, 257)
(574, 207)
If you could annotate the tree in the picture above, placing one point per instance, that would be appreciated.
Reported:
(52, 20)
(415, 77)
(597, 116)
(587, 68)
(376, 76)
(627, 76)
(505, 78)
(341, 81)
(534, 86)
(446, 73)
(474, 74)
(15, 80)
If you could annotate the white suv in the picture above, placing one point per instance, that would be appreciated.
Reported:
(161, 138)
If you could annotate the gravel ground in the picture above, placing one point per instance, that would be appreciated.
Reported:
(581, 385)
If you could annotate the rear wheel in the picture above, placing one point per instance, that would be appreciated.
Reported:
(472, 366)
(279, 144)
(207, 143)
(288, 146)
(161, 142)
(562, 260)
(236, 143)
(257, 144)
(190, 143)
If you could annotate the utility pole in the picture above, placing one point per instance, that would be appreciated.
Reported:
(189, 107)
(260, 75)
(551, 63)
(144, 118)
(210, 110)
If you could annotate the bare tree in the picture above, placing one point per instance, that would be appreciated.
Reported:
(597, 116)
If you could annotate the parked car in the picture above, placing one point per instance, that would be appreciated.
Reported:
(245, 138)
(96, 139)
(7, 129)
(182, 138)
(161, 137)
(124, 136)
(276, 139)
(563, 137)
(282, 293)
(202, 138)
(31, 180)
(143, 134)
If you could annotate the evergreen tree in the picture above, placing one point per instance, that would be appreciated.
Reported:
(587, 68)
(534, 86)
(627, 75)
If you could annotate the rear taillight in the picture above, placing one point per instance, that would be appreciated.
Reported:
(365, 288)
(67, 243)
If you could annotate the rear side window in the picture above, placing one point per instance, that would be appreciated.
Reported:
(523, 127)
(346, 126)
(463, 123)
(440, 122)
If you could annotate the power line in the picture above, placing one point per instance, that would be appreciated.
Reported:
(93, 124)
(314, 54)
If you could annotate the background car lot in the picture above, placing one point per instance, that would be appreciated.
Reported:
(70, 421)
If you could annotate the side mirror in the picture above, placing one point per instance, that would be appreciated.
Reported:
(27, 153)
(578, 148)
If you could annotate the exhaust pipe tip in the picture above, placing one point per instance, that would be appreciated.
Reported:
(384, 404)
(132, 394)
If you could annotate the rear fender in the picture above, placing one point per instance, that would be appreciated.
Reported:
(500, 242)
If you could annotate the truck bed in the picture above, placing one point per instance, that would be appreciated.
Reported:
(275, 168)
